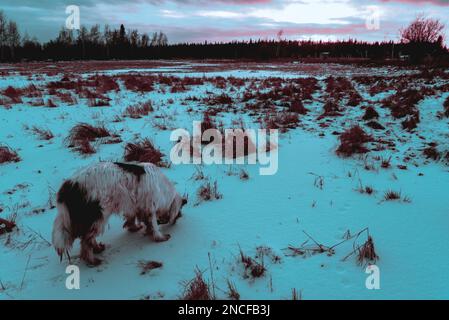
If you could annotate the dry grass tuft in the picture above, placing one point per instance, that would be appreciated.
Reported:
(446, 107)
(98, 102)
(352, 141)
(432, 153)
(207, 123)
(391, 195)
(144, 151)
(370, 114)
(367, 252)
(82, 134)
(208, 192)
(147, 266)
(51, 104)
(253, 268)
(282, 121)
(298, 107)
(8, 155)
(369, 190)
(386, 163)
(138, 111)
(375, 125)
(14, 94)
(6, 226)
(233, 294)
(411, 122)
(197, 289)
(244, 175)
(295, 295)
(43, 134)
(137, 83)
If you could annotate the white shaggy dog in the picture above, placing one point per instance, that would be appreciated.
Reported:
(86, 201)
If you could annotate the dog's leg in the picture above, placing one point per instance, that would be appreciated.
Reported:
(153, 229)
(98, 247)
(87, 251)
(130, 223)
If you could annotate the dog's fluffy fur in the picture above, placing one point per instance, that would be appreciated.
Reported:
(86, 201)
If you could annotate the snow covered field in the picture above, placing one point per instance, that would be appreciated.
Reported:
(299, 225)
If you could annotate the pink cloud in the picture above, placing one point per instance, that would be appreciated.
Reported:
(202, 2)
(232, 34)
(421, 2)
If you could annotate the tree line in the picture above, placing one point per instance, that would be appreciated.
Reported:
(423, 38)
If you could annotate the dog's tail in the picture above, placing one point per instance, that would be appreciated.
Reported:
(62, 237)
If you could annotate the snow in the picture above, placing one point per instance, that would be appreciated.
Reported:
(411, 239)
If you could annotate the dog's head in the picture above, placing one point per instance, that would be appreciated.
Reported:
(174, 213)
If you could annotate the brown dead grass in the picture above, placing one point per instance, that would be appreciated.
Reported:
(197, 289)
(8, 155)
(144, 151)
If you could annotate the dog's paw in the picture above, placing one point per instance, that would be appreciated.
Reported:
(162, 238)
(99, 248)
(134, 228)
(94, 263)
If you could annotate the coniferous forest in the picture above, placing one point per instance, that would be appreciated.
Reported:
(108, 43)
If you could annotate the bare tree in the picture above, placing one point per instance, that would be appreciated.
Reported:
(144, 41)
(65, 37)
(95, 34)
(423, 30)
(279, 36)
(3, 34)
(83, 37)
(159, 39)
(154, 39)
(13, 38)
(162, 39)
(134, 37)
(107, 35)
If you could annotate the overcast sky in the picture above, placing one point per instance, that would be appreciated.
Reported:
(225, 20)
